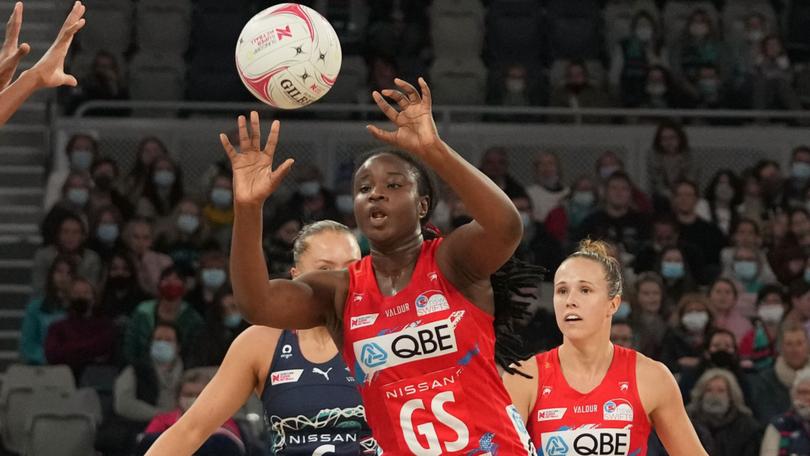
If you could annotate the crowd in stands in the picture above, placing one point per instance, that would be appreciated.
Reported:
(747, 54)
(133, 273)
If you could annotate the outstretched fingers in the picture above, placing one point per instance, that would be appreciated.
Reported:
(386, 108)
(226, 144)
(427, 97)
(13, 27)
(272, 139)
(397, 96)
(382, 135)
(255, 131)
(409, 90)
(244, 137)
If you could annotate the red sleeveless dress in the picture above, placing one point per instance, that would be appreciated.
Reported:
(424, 361)
(609, 420)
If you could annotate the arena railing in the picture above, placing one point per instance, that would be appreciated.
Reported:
(334, 137)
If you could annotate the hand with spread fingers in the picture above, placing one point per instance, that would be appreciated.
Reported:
(11, 53)
(254, 178)
(50, 69)
(416, 131)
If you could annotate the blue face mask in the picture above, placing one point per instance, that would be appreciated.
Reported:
(222, 198)
(213, 277)
(162, 352)
(81, 159)
(800, 170)
(623, 311)
(78, 196)
(745, 270)
(232, 321)
(188, 223)
(107, 232)
(672, 269)
(164, 178)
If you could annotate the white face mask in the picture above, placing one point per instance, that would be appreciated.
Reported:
(695, 321)
(771, 313)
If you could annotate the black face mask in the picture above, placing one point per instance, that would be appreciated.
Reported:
(725, 360)
(103, 182)
(118, 282)
(80, 306)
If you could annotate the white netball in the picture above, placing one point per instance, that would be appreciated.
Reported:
(288, 56)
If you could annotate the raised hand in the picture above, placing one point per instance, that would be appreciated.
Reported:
(254, 178)
(50, 70)
(416, 132)
(11, 53)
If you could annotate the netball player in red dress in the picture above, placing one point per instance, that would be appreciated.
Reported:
(415, 318)
(589, 396)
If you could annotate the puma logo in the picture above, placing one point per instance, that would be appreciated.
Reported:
(316, 370)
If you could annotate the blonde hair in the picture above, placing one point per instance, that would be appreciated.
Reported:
(300, 245)
(734, 391)
(600, 251)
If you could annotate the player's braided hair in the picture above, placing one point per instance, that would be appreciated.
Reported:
(513, 285)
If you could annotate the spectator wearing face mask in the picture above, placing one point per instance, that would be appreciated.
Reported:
(184, 236)
(666, 233)
(712, 92)
(634, 56)
(144, 389)
(536, 245)
(718, 404)
(548, 189)
(687, 334)
(759, 344)
(770, 388)
(698, 48)
(211, 275)
(218, 210)
(747, 270)
(122, 290)
(163, 191)
(745, 234)
(85, 336)
(138, 236)
(312, 201)
(677, 275)
(81, 151)
(565, 219)
(578, 91)
(223, 323)
(773, 78)
(227, 440)
(75, 201)
(168, 307)
(70, 242)
(105, 232)
(660, 92)
(797, 184)
(105, 192)
(720, 351)
(515, 89)
(789, 433)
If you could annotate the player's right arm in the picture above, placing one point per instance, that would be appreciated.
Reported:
(244, 370)
(290, 304)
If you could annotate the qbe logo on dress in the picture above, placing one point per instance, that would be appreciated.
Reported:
(429, 302)
(586, 441)
(411, 344)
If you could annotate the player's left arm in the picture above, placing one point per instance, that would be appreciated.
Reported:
(663, 403)
(470, 254)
